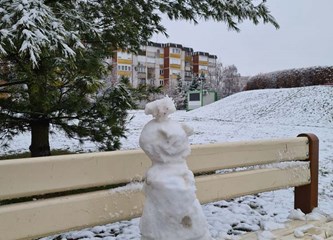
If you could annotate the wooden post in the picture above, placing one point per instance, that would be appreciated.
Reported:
(306, 197)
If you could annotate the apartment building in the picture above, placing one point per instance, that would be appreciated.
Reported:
(204, 65)
(161, 64)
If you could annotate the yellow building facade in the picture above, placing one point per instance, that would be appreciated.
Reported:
(161, 64)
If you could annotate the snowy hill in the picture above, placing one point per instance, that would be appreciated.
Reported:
(258, 114)
(310, 106)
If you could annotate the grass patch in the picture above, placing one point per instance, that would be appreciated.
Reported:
(27, 154)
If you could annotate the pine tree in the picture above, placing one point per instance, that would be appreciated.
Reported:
(194, 84)
(53, 53)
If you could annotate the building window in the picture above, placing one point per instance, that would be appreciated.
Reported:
(203, 58)
(150, 60)
(203, 68)
(142, 81)
(141, 69)
(142, 52)
(161, 82)
(188, 74)
(124, 68)
(124, 55)
(176, 50)
(175, 61)
(175, 72)
(161, 72)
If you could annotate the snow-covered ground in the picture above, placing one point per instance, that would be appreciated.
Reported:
(260, 114)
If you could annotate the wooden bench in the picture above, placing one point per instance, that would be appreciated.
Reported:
(48, 195)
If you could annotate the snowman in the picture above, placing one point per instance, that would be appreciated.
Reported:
(171, 209)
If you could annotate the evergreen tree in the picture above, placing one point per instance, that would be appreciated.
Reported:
(194, 84)
(52, 55)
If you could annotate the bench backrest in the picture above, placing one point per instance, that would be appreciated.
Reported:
(46, 195)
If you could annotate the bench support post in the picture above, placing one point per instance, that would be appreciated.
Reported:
(306, 197)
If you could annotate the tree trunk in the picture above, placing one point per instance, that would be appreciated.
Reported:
(40, 145)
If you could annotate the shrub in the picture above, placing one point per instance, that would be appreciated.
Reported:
(292, 78)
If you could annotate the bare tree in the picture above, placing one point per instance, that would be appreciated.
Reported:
(224, 80)
(230, 81)
(214, 78)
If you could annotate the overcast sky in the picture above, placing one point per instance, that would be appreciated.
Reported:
(305, 38)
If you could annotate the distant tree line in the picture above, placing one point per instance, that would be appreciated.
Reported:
(292, 78)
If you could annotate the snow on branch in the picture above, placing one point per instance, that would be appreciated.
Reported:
(35, 29)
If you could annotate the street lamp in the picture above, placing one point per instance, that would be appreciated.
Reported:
(201, 79)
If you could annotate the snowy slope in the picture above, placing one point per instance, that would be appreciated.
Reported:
(259, 114)
(307, 106)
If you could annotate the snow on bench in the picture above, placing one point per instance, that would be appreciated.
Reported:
(49, 195)
(315, 225)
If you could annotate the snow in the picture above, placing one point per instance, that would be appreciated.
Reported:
(296, 214)
(131, 187)
(260, 114)
(265, 235)
(300, 231)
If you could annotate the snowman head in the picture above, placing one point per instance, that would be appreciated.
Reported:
(163, 139)
(160, 109)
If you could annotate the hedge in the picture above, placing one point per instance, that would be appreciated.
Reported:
(292, 78)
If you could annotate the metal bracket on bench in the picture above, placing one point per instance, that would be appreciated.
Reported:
(306, 197)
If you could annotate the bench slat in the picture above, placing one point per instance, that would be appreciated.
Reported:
(230, 185)
(46, 217)
(36, 176)
(242, 154)
(34, 219)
